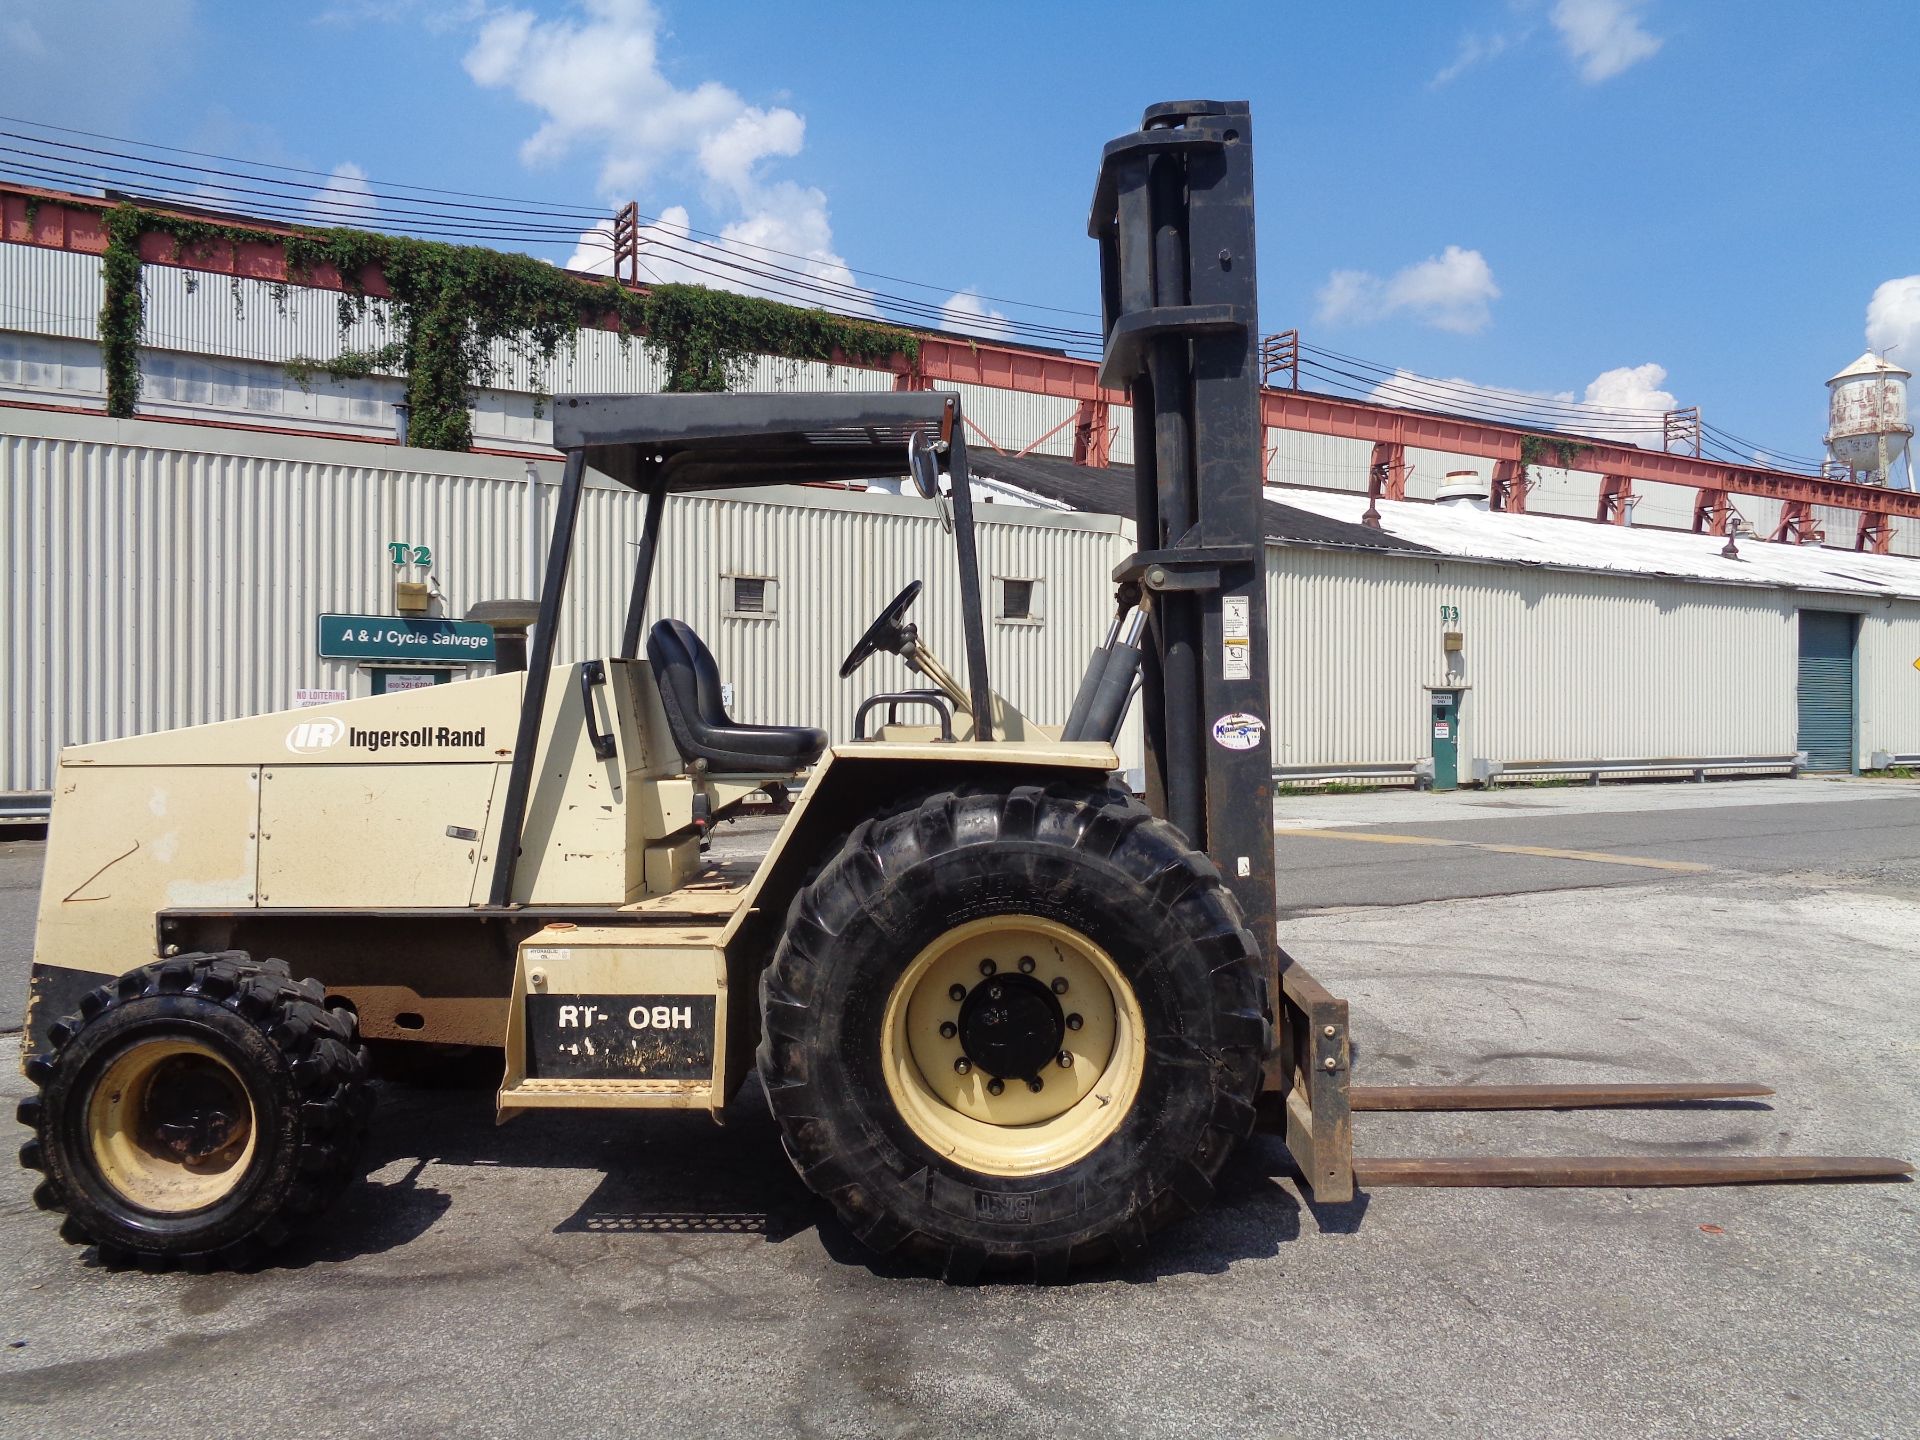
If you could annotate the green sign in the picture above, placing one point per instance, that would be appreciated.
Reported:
(390, 637)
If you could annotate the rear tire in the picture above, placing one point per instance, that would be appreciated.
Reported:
(196, 1110)
(1058, 892)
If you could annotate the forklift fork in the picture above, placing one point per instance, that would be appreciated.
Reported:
(1316, 1120)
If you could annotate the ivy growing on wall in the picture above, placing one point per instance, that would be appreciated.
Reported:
(1538, 449)
(122, 310)
(453, 303)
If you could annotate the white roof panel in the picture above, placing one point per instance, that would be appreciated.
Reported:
(1629, 550)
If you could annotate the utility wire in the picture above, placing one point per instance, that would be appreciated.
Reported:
(381, 190)
(408, 209)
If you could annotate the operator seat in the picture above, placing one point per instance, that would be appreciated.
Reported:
(689, 683)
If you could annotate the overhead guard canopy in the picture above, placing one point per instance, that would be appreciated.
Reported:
(710, 442)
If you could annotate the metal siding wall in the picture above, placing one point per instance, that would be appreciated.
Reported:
(150, 587)
(241, 319)
(49, 292)
(1015, 419)
(159, 577)
(1889, 683)
(1562, 666)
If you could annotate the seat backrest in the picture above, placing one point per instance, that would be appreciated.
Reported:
(681, 659)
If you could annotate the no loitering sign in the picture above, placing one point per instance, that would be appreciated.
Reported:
(390, 637)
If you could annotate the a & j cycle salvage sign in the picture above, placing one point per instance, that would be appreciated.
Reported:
(389, 637)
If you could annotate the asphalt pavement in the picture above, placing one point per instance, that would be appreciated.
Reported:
(601, 1275)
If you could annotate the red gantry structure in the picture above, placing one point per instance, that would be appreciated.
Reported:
(61, 221)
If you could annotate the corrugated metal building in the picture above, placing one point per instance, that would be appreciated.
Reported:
(161, 574)
(167, 571)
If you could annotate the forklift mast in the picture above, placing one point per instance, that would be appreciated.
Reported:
(1173, 213)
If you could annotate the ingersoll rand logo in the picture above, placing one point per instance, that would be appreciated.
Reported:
(311, 735)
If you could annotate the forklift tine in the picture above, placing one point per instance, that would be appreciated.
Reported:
(1543, 1097)
(1623, 1170)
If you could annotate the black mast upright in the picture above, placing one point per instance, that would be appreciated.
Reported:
(1173, 212)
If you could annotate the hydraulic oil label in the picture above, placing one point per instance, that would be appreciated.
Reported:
(620, 1037)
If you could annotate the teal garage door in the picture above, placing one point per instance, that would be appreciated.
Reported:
(1826, 689)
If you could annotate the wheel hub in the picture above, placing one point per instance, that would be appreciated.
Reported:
(1013, 1044)
(170, 1126)
(1011, 1027)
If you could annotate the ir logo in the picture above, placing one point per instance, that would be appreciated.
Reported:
(311, 735)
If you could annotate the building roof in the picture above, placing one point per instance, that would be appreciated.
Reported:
(1109, 491)
(1562, 542)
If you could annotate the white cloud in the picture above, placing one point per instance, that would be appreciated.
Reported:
(964, 310)
(597, 80)
(1603, 37)
(1474, 50)
(1623, 396)
(1615, 406)
(1893, 321)
(1453, 290)
(346, 198)
(599, 84)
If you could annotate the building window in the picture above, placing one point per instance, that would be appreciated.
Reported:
(749, 597)
(1017, 600)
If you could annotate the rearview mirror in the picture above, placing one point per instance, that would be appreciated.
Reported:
(923, 465)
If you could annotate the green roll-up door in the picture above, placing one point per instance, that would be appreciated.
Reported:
(1826, 689)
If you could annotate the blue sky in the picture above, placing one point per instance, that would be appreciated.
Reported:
(1526, 193)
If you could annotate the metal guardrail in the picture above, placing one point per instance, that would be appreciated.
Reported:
(1419, 772)
(1490, 772)
(1885, 760)
(26, 807)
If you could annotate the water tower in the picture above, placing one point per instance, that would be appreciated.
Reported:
(1867, 427)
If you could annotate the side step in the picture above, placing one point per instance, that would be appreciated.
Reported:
(577, 1094)
(1317, 1121)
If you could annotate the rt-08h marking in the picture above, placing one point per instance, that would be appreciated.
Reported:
(640, 1017)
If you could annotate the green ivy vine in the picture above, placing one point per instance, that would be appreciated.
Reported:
(1538, 449)
(122, 310)
(452, 303)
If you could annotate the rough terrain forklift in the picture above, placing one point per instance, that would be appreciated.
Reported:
(1006, 1015)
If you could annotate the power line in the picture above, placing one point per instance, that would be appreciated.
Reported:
(505, 204)
(757, 276)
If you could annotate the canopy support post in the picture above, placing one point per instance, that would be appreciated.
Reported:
(533, 703)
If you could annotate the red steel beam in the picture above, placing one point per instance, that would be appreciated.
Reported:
(72, 222)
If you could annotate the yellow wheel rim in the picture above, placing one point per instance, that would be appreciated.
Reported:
(939, 1060)
(170, 1126)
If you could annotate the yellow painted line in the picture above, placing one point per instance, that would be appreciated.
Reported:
(1369, 835)
(1597, 857)
(1600, 857)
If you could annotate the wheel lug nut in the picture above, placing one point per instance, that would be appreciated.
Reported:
(1036, 1084)
(1060, 986)
(1026, 964)
(956, 992)
(962, 1066)
(1066, 1060)
(987, 967)
(948, 1029)
(994, 1087)
(1074, 1022)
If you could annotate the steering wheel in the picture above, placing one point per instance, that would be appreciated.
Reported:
(886, 632)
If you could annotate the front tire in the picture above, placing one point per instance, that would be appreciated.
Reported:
(959, 951)
(196, 1110)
